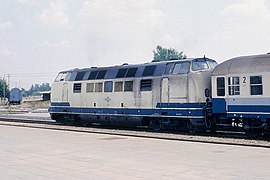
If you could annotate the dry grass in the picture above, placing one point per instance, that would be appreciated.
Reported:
(26, 106)
(35, 104)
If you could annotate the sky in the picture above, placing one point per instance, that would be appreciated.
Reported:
(39, 38)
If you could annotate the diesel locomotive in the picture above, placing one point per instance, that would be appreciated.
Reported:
(193, 94)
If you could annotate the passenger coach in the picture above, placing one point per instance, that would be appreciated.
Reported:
(241, 92)
(156, 94)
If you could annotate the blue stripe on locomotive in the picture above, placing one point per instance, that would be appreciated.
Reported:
(60, 104)
(184, 110)
(180, 105)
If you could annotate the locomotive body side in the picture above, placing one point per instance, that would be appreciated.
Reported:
(152, 94)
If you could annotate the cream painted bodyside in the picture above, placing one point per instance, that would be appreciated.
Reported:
(188, 88)
(244, 85)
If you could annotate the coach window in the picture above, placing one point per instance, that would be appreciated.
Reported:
(128, 86)
(118, 86)
(108, 86)
(221, 86)
(98, 87)
(256, 87)
(89, 87)
(77, 87)
(199, 64)
(181, 68)
(146, 85)
(234, 87)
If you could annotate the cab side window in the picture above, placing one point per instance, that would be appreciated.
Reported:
(181, 68)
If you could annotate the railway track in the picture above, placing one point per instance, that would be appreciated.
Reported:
(219, 138)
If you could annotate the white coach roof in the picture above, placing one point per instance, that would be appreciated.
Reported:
(244, 64)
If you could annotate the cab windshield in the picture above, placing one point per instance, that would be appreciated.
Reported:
(212, 64)
(62, 76)
(199, 64)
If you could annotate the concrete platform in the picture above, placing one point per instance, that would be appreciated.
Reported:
(28, 115)
(27, 153)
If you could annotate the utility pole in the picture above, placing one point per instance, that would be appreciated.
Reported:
(8, 76)
(4, 87)
(4, 90)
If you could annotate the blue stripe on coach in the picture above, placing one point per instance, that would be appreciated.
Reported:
(219, 105)
(248, 108)
(253, 115)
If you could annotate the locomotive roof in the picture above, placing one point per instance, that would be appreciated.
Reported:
(131, 65)
(244, 64)
(132, 71)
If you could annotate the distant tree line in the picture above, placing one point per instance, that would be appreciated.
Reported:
(35, 89)
(4, 92)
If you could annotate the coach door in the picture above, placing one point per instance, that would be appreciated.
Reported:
(65, 93)
(165, 90)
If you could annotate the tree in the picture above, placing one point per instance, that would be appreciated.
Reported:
(4, 92)
(166, 54)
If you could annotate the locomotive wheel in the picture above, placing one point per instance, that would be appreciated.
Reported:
(208, 124)
(191, 128)
(69, 120)
(155, 124)
(62, 120)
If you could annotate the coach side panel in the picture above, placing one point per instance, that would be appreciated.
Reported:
(242, 95)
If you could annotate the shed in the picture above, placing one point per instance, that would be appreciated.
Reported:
(46, 95)
(15, 96)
